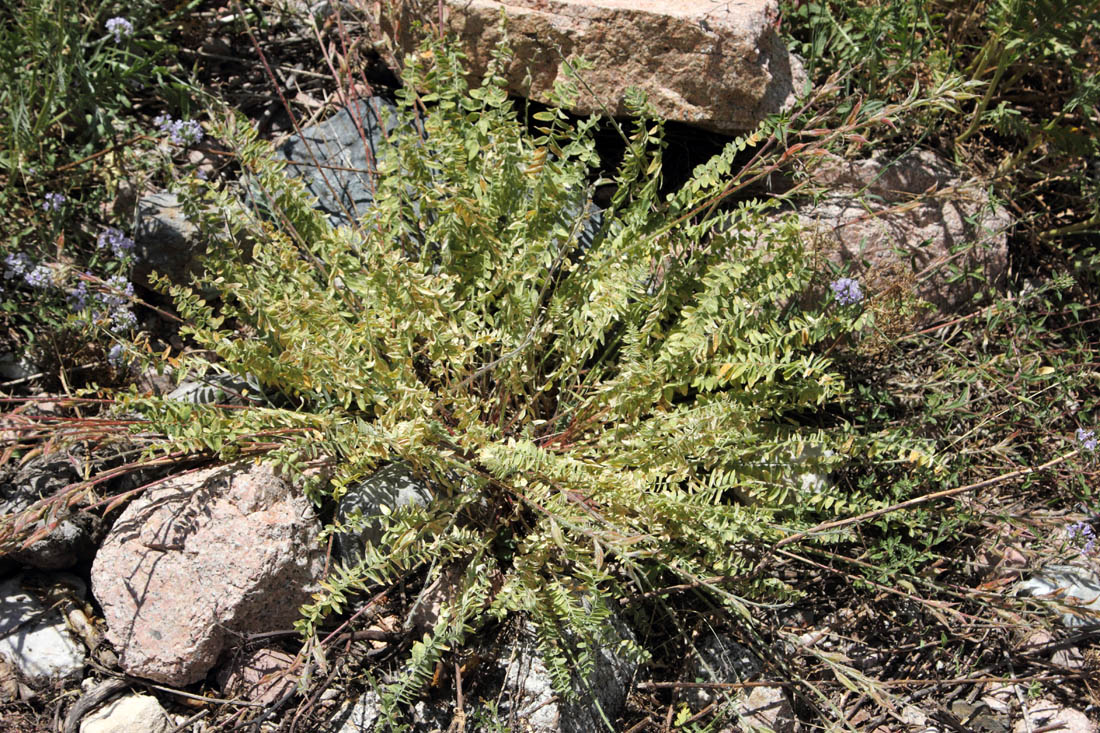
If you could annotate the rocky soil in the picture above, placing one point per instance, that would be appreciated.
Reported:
(174, 610)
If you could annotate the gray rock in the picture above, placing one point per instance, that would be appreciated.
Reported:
(17, 366)
(72, 537)
(393, 486)
(201, 559)
(129, 714)
(768, 709)
(438, 715)
(979, 717)
(34, 638)
(718, 658)
(337, 158)
(165, 240)
(436, 594)
(528, 699)
(360, 717)
(216, 389)
(1073, 591)
(1047, 715)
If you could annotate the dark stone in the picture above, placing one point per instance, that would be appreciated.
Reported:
(72, 539)
(337, 158)
(718, 658)
(393, 486)
(165, 240)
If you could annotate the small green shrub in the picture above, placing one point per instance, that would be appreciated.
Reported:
(606, 402)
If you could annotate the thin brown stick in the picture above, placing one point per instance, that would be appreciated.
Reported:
(99, 154)
(639, 725)
(186, 725)
(836, 524)
(956, 681)
(197, 698)
(380, 596)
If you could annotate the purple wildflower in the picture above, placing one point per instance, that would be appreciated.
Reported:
(115, 302)
(40, 277)
(119, 243)
(1087, 439)
(116, 357)
(120, 28)
(847, 291)
(123, 319)
(180, 132)
(120, 290)
(53, 201)
(1082, 534)
(17, 264)
(78, 296)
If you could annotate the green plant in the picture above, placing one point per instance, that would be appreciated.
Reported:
(65, 82)
(606, 402)
(645, 411)
(73, 74)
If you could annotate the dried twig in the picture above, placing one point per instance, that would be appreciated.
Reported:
(837, 524)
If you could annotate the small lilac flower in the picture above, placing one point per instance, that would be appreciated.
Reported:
(116, 356)
(1082, 535)
(1087, 439)
(53, 201)
(180, 132)
(78, 296)
(187, 132)
(119, 243)
(123, 319)
(40, 278)
(119, 292)
(120, 28)
(847, 291)
(17, 264)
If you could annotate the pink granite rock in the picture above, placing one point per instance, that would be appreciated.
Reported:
(1046, 715)
(719, 65)
(203, 557)
(264, 676)
(915, 216)
(767, 708)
